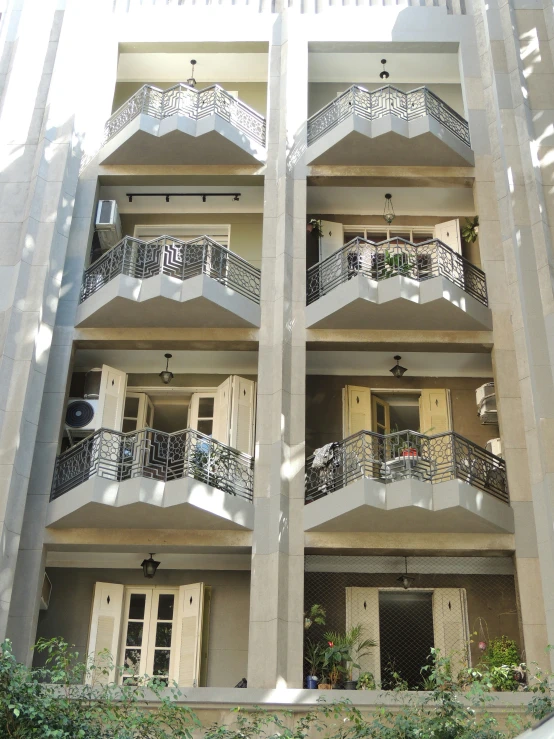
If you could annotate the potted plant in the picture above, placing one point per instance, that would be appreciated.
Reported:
(335, 675)
(503, 661)
(470, 230)
(398, 263)
(313, 656)
(316, 615)
(366, 681)
(314, 227)
(346, 650)
(335, 657)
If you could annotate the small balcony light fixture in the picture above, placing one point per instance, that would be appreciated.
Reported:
(397, 370)
(405, 579)
(149, 566)
(165, 374)
(191, 82)
(384, 75)
(388, 213)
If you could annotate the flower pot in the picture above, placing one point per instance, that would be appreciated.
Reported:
(350, 684)
(324, 686)
(409, 452)
(311, 682)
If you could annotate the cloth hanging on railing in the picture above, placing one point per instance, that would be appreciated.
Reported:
(323, 456)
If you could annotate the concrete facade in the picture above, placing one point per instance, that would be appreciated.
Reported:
(53, 106)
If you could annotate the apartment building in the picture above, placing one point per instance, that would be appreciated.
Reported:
(257, 352)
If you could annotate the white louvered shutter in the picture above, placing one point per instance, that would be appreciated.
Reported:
(331, 239)
(450, 626)
(434, 412)
(449, 233)
(111, 399)
(189, 634)
(357, 410)
(222, 412)
(243, 414)
(105, 628)
(362, 607)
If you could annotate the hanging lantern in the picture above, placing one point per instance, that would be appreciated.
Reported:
(191, 82)
(384, 75)
(397, 370)
(406, 580)
(388, 213)
(165, 374)
(149, 567)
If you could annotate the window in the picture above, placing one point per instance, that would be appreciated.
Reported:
(220, 232)
(415, 234)
(148, 634)
(202, 412)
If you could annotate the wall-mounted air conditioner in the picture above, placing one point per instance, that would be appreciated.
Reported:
(45, 593)
(485, 397)
(494, 446)
(80, 416)
(108, 223)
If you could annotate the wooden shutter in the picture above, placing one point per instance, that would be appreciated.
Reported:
(356, 410)
(222, 411)
(449, 233)
(362, 607)
(105, 628)
(243, 403)
(434, 412)
(380, 420)
(331, 239)
(111, 400)
(450, 626)
(188, 642)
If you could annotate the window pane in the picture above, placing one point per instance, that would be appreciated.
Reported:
(380, 414)
(418, 238)
(376, 237)
(132, 661)
(129, 424)
(161, 662)
(163, 635)
(400, 235)
(349, 235)
(206, 407)
(205, 427)
(165, 607)
(136, 606)
(131, 407)
(134, 634)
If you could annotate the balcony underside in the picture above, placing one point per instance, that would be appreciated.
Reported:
(181, 140)
(390, 141)
(398, 303)
(143, 503)
(411, 506)
(165, 301)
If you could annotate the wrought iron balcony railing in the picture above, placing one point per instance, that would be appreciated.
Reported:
(156, 455)
(385, 259)
(386, 100)
(406, 454)
(184, 100)
(169, 256)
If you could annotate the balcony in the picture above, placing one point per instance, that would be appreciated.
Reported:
(388, 127)
(151, 479)
(182, 125)
(399, 285)
(408, 482)
(144, 281)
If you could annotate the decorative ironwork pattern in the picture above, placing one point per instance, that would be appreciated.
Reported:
(154, 454)
(407, 454)
(169, 256)
(184, 100)
(386, 100)
(385, 259)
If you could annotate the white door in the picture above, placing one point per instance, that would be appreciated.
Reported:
(356, 410)
(331, 239)
(449, 233)
(434, 412)
(362, 607)
(138, 412)
(189, 634)
(111, 399)
(105, 625)
(243, 414)
(202, 412)
(450, 626)
(222, 412)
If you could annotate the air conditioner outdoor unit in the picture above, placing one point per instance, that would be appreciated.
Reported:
(108, 223)
(486, 403)
(494, 446)
(80, 416)
(45, 593)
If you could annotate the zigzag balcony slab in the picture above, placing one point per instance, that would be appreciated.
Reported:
(147, 503)
(398, 303)
(409, 505)
(162, 300)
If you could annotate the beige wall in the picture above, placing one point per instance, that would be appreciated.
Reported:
(321, 93)
(70, 606)
(246, 228)
(324, 405)
(253, 94)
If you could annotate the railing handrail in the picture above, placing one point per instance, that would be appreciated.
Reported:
(178, 86)
(359, 256)
(353, 89)
(356, 458)
(178, 258)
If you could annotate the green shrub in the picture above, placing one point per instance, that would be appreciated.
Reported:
(500, 658)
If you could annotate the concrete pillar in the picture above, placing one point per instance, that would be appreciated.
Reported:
(276, 598)
(522, 355)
